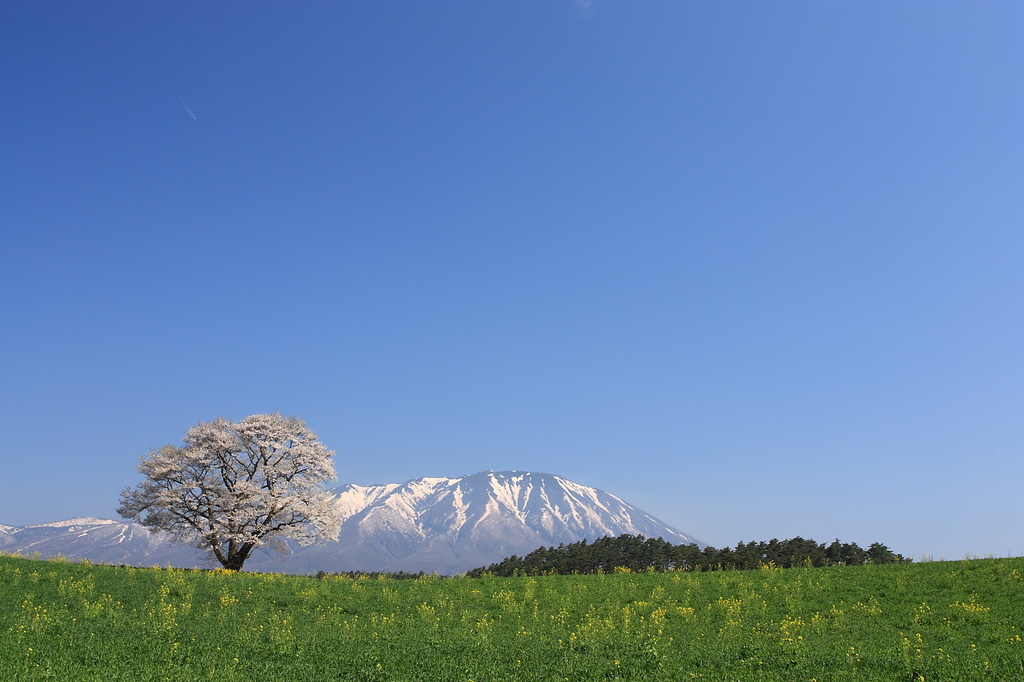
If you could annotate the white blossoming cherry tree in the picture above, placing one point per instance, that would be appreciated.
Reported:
(238, 486)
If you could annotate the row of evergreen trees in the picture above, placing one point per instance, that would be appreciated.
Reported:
(637, 553)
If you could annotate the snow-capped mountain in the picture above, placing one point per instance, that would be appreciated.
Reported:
(447, 525)
(99, 540)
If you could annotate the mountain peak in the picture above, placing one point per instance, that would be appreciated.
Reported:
(452, 524)
(77, 521)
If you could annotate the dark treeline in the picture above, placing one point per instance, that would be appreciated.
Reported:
(637, 553)
(378, 575)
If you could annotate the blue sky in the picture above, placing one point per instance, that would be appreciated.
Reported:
(757, 268)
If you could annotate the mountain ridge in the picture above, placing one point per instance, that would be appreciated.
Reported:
(430, 524)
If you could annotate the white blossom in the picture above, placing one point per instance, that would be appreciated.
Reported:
(237, 486)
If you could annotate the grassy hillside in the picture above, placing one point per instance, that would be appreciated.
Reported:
(934, 621)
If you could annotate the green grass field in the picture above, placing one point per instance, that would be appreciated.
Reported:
(961, 620)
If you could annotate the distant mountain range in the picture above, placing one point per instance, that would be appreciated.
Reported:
(99, 540)
(443, 525)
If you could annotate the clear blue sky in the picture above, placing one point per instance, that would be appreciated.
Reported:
(757, 268)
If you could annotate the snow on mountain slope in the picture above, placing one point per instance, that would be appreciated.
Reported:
(450, 525)
(443, 525)
(77, 521)
(99, 540)
(552, 506)
(353, 498)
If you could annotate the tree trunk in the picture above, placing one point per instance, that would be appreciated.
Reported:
(237, 557)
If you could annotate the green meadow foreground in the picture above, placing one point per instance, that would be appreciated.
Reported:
(959, 620)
